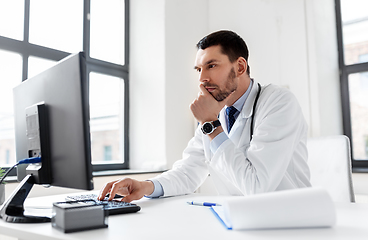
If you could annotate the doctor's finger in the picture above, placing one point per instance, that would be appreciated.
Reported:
(120, 187)
(105, 190)
(202, 89)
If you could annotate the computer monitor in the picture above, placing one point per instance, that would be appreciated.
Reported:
(52, 120)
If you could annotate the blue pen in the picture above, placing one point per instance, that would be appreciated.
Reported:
(207, 204)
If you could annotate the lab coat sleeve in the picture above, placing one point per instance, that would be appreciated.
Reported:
(188, 173)
(279, 127)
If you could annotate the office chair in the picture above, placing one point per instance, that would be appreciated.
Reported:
(330, 166)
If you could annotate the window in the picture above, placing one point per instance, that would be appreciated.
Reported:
(34, 34)
(108, 153)
(106, 117)
(10, 75)
(59, 27)
(352, 33)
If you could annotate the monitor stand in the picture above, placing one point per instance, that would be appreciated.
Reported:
(13, 208)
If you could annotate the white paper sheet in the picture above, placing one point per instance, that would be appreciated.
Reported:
(299, 208)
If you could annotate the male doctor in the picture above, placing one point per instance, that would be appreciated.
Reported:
(250, 139)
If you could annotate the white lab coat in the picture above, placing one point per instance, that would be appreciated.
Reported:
(275, 159)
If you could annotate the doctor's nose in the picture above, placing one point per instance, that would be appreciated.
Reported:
(203, 77)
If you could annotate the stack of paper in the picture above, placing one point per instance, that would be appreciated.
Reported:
(300, 208)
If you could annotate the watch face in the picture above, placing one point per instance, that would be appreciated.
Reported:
(207, 127)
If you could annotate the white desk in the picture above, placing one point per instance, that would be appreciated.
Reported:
(173, 218)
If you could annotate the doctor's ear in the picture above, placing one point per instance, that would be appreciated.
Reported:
(242, 66)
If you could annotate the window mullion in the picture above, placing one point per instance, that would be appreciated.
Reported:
(127, 7)
(356, 68)
(86, 27)
(344, 85)
(25, 38)
(26, 21)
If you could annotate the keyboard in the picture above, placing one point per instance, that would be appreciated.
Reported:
(112, 207)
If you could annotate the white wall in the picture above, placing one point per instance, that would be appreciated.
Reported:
(275, 34)
(147, 84)
(292, 43)
(162, 80)
(325, 99)
(185, 24)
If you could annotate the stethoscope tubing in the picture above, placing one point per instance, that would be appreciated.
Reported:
(254, 112)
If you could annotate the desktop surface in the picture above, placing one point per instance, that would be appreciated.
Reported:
(173, 218)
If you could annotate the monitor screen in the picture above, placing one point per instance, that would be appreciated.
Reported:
(51, 112)
(65, 151)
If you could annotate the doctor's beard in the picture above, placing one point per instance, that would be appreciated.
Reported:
(230, 87)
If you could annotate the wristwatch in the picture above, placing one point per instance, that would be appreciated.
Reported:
(209, 127)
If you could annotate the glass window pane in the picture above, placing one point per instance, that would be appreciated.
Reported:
(107, 31)
(106, 118)
(108, 153)
(358, 91)
(12, 18)
(37, 65)
(11, 76)
(57, 24)
(355, 30)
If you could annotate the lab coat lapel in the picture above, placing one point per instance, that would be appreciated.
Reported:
(247, 111)
(238, 128)
(234, 130)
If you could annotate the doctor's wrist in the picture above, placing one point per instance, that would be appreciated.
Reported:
(148, 187)
(217, 131)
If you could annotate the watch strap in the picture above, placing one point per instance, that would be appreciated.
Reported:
(216, 123)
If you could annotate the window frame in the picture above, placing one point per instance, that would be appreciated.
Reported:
(345, 71)
(26, 49)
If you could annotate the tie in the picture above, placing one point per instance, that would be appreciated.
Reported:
(230, 111)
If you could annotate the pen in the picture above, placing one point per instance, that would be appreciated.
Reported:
(207, 204)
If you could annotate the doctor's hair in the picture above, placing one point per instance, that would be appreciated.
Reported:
(231, 44)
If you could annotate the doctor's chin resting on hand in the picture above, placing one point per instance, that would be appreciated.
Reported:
(250, 138)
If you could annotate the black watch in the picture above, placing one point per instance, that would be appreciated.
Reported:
(209, 127)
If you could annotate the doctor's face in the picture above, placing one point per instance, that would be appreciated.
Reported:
(216, 72)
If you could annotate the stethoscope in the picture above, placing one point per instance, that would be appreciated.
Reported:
(254, 112)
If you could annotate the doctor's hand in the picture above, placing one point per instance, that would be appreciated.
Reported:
(205, 107)
(130, 188)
